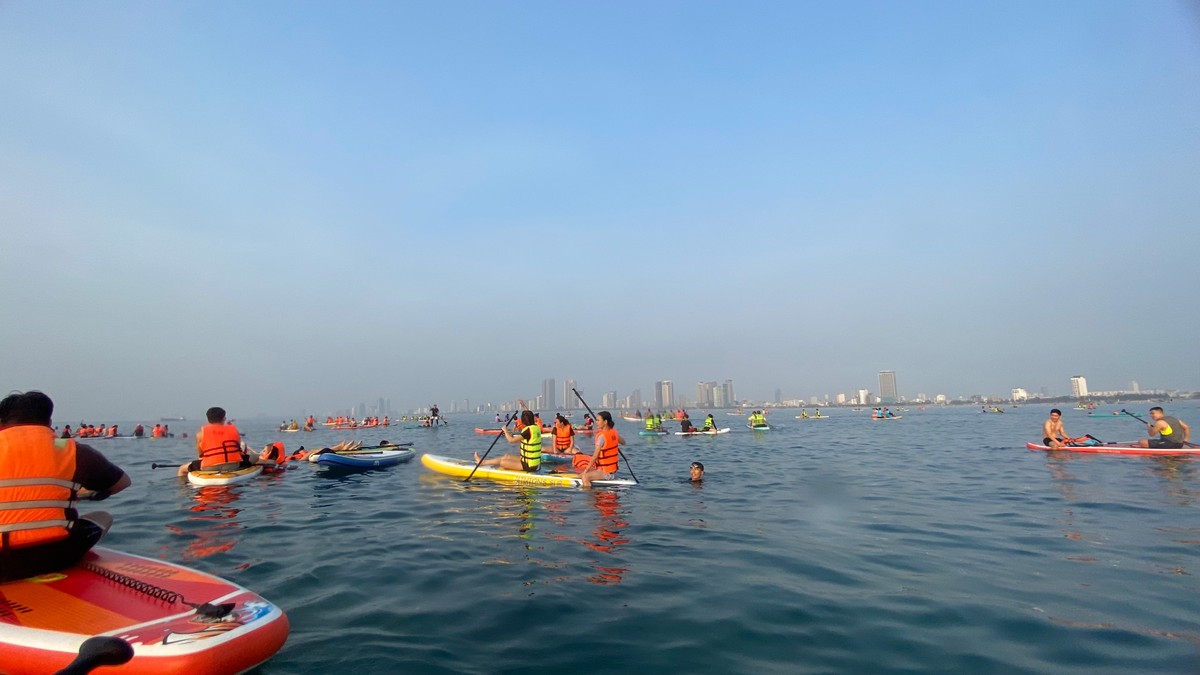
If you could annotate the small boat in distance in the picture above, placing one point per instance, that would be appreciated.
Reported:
(172, 419)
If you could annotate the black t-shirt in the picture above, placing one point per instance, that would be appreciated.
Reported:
(93, 470)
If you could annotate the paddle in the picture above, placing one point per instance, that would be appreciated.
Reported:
(589, 409)
(98, 651)
(507, 421)
(1185, 443)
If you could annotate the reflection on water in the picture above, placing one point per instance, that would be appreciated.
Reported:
(216, 529)
(607, 536)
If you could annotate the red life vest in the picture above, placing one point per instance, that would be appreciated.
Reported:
(220, 444)
(36, 485)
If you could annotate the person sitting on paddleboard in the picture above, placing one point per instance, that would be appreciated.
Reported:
(1053, 433)
(686, 427)
(219, 445)
(1172, 432)
(40, 477)
(588, 423)
(697, 472)
(530, 438)
(602, 464)
(564, 437)
(709, 423)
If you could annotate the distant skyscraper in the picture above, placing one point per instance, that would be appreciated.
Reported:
(778, 396)
(887, 386)
(1019, 394)
(664, 395)
(548, 395)
(569, 402)
(1135, 387)
(635, 399)
(1079, 387)
(609, 399)
(706, 394)
(727, 388)
(864, 397)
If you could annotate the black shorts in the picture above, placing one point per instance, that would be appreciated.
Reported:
(27, 562)
(1162, 444)
(527, 469)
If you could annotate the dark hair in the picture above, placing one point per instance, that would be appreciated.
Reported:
(1158, 408)
(31, 407)
(527, 418)
(697, 465)
(1055, 410)
(606, 416)
(560, 418)
(215, 415)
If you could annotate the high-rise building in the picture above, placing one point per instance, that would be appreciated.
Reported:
(569, 401)
(727, 389)
(1135, 387)
(887, 386)
(548, 400)
(1079, 387)
(841, 398)
(635, 399)
(864, 397)
(609, 399)
(664, 395)
(778, 396)
(706, 394)
(1019, 394)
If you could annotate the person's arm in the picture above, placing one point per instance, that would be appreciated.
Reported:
(98, 476)
(1187, 431)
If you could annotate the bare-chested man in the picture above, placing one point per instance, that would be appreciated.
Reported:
(1053, 432)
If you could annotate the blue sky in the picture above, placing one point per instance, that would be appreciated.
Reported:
(277, 206)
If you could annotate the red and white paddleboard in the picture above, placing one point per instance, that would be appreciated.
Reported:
(143, 601)
(1116, 449)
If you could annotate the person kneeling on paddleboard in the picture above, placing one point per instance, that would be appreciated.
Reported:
(530, 438)
(603, 463)
(1172, 432)
(40, 477)
(219, 445)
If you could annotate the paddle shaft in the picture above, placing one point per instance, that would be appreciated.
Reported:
(494, 441)
(1185, 443)
(589, 409)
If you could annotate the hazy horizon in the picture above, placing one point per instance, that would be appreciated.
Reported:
(275, 206)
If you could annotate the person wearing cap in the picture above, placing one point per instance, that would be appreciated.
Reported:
(697, 472)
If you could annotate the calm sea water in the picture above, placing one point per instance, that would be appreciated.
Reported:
(932, 544)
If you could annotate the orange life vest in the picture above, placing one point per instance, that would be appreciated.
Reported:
(273, 453)
(607, 447)
(562, 437)
(220, 444)
(36, 486)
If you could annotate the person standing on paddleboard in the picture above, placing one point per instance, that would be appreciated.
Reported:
(1172, 432)
(530, 438)
(40, 477)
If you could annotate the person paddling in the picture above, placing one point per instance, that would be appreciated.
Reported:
(602, 464)
(1172, 432)
(530, 438)
(40, 480)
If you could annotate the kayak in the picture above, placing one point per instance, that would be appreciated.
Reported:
(648, 432)
(1130, 448)
(462, 468)
(145, 602)
(760, 427)
(723, 430)
(362, 460)
(224, 477)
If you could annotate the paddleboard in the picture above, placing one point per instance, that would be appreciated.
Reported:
(723, 430)
(761, 427)
(556, 459)
(1117, 449)
(813, 417)
(897, 417)
(223, 477)
(44, 619)
(647, 432)
(363, 460)
(462, 468)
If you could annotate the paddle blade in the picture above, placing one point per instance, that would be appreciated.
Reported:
(96, 652)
